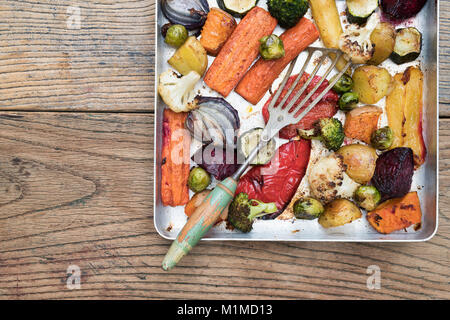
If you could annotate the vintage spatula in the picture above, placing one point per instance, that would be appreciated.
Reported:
(218, 199)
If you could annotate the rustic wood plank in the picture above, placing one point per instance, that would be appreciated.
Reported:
(107, 64)
(76, 189)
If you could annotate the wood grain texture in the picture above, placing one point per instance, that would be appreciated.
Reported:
(106, 65)
(76, 187)
(78, 191)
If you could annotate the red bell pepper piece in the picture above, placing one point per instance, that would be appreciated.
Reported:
(278, 180)
(326, 108)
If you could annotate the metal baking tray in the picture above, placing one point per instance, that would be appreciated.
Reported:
(169, 221)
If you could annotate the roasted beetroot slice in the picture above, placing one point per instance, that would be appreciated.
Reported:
(394, 172)
(402, 9)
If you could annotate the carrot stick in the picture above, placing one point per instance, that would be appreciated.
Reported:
(239, 52)
(175, 159)
(264, 72)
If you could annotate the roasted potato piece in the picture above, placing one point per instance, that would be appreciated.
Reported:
(339, 212)
(371, 83)
(383, 37)
(191, 56)
(361, 122)
(396, 214)
(360, 161)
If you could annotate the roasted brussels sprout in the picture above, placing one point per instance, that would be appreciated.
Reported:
(348, 101)
(271, 47)
(382, 138)
(367, 197)
(176, 35)
(199, 179)
(343, 85)
(308, 208)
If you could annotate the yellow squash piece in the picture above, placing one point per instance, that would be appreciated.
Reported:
(191, 56)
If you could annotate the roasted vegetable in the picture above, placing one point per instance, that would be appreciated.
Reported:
(361, 122)
(360, 161)
(191, 56)
(259, 79)
(326, 16)
(413, 110)
(348, 101)
(220, 163)
(213, 120)
(287, 12)
(249, 140)
(174, 160)
(326, 108)
(239, 52)
(367, 197)
(189, 13)
(178, 93)
(356, 43)
(404, 112)
(271, 47)
(338, 213)
(195, 202)
(328, 180)
(382, 138)
(358, 11)
(400, 10)
(327, 130)
(396, 214)
(371, 83)
(308, 209)
(393, 173)
(278, 180)
(343, 85)
(237, 8)
(408, 44)
(217, 29)
(199, 179)
(243, 211)
(383, 38)
(176, 35)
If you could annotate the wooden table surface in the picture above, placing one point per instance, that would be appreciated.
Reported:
(76, 176)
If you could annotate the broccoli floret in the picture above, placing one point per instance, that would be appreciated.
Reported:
(328, 130)
(288, 12)
(243, 211)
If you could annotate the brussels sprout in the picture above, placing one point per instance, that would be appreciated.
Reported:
(308, 208)
(343, 85)
(367, 197)
(199, 179)
(176, 35)
(382, 138)
(348, 101)
(271, 47)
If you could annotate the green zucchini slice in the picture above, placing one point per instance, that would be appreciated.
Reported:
(249, 140)
(408, 44)
(237, 8)
(358, 11)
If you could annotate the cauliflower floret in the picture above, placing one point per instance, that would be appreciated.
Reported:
(328, 180)
(178, 93)
(356, 43)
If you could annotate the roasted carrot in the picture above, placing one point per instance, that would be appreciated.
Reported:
(260, 77)
(239, 52)
(218, 28)
(175, 159)
(396, 214)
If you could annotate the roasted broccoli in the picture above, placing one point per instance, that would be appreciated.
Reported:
(327, 130)
(243, 211)
(287, 12)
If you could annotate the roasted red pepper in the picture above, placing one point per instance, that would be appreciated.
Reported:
(278, 180)
(326, 108)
